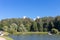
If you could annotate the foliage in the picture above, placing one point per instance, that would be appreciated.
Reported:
(44, 24)
(5, 28)
(54, 31)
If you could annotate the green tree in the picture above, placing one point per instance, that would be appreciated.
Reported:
(35, 26)
(13, 28)
(57, 22)
(5, 28)
(27, 27)
(39, 25)
(23, 28)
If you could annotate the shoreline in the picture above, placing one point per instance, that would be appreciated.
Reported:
(19, 33)
(30, 33)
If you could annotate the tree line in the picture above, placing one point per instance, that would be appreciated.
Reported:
(44, 24)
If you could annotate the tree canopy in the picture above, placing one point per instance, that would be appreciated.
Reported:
(44, 24)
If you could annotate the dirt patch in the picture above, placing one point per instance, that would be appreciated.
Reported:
(2, 38)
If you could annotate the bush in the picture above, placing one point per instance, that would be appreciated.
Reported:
(54, 31)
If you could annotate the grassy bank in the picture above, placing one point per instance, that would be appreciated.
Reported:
(16, 33)
(19, 33)
(30, 33)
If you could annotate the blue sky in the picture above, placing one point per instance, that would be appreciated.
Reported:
(29, 8)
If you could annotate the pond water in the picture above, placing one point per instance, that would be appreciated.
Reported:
(35, 37)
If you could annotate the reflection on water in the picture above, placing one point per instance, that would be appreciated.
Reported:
(35, 37)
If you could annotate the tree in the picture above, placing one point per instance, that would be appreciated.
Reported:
(39, 25)
(57, 22)
(13, 28)
(27, 27)
(35, 26)
(45, 27)
(51, 25)
(44, 24)
(5, 28)
(23, 28)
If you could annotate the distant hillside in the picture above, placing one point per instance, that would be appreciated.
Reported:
(30, 25)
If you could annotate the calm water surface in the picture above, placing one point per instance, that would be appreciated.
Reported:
(35, 37)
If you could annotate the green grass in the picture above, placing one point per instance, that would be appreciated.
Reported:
(31, 33)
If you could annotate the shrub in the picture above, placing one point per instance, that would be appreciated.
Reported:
(54, 31)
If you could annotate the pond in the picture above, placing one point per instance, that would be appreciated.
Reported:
(35, 37)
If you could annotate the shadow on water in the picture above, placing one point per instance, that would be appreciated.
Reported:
(35, 37)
